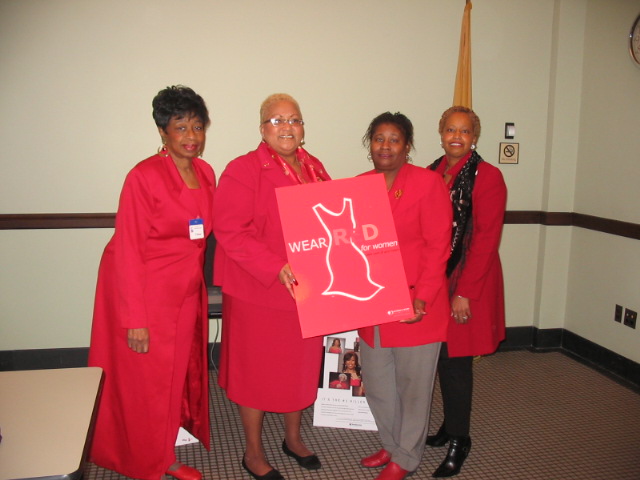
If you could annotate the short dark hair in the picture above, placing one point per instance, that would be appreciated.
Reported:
(397, 119)
(178, 101)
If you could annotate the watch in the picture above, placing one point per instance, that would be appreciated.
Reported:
(634, 41)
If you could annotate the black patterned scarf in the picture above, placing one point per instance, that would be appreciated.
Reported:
(460, 194)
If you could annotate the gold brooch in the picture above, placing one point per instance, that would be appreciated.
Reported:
(397, 193)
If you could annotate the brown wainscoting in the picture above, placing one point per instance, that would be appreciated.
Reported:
(567, 219)
(606, 225)
(38, 221)
(529, 217)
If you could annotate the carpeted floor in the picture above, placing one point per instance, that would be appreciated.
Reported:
(536, 416)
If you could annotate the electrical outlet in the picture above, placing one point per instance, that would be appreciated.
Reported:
(630, 318)
(618, 315)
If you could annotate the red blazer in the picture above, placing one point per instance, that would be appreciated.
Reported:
(481, 278)
(251, 249)
(422, 214)
(148, 269)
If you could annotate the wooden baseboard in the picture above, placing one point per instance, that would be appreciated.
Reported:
(617, 367)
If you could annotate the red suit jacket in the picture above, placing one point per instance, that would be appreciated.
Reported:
(148, 269)
(422, 214)
(481, 278)
(251, 248)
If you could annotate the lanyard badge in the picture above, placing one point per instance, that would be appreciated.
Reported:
(196, 228)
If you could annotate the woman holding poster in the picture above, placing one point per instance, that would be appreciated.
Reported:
(258, 306)
(399, 359)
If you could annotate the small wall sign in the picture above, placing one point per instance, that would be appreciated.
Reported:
(509, 152)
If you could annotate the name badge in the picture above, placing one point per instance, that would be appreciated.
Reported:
(196, 229)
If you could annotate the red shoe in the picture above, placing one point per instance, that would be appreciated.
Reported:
(378, 459)
(185, 473)
(392, 472)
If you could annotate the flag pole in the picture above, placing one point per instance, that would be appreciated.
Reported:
(462, 94)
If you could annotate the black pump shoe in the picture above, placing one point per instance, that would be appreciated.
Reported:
(440, 439)
(310, 462)
(459, 448)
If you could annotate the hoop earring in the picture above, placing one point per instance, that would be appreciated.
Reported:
(369, 157)
(162, 150)
(409, 159)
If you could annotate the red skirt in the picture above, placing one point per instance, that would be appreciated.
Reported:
(264, 361)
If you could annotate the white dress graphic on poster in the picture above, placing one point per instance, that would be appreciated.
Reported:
(342, 399)
(343, 255)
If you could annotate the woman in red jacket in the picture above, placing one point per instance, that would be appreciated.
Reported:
(476, 324)
(399, 359)
(258, 307)
(150, 318)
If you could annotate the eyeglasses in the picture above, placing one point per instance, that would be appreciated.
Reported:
(276, 122)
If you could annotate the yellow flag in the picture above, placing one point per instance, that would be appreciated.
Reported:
(462, 91)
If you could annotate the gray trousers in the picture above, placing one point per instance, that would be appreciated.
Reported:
(399, 386)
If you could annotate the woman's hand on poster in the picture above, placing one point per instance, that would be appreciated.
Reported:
(418, 310)
(288, 279)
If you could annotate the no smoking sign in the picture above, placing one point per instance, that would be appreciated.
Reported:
(509, 152)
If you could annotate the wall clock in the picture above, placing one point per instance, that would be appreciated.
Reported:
(634, 41)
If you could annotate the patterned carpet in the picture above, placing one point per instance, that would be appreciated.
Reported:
(536, 416)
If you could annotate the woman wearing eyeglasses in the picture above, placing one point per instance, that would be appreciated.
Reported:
(259, 309)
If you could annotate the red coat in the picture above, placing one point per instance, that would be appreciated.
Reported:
(422, 214)
(261, 330)
(248, 230)
(151, 276)
(481, 278)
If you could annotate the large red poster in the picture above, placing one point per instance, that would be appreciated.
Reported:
(343, 249)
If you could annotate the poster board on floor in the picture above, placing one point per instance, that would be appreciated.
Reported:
(342, 402)
(185, 438)
(343, 250)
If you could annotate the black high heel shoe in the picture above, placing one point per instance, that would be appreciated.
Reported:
(310, 462)
(440, 439)
(459, 448)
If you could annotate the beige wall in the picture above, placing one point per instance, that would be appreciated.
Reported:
(78, 77)
(604, 270)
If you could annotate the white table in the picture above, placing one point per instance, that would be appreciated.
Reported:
(46, 417)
